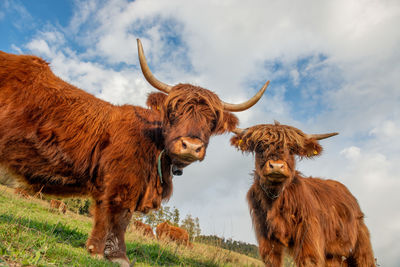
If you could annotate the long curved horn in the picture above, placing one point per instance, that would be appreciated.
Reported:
(320, 136)
(147, 73)
(248, 104)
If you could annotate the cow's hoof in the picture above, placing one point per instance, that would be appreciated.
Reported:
(121, 261)
(94, 254)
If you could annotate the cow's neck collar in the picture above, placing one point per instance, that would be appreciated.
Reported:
(159, 167)
(163, 163)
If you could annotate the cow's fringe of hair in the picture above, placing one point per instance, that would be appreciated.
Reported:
(268, 136)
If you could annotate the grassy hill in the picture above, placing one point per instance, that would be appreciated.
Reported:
(33, 235)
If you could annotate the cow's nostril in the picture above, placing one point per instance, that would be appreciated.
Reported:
(184, 145)
(270, 165)
(198, 150)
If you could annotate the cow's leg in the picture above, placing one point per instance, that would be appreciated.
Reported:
(96, 242)
(271, 252)
(115, 248)
(362, 254)
(121, 200)
(309, 250)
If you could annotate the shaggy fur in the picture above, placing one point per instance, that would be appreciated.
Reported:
(145, 228)
(60, 140)
(318, 221)
(174, 233)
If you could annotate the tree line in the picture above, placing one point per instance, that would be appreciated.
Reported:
(230, 244)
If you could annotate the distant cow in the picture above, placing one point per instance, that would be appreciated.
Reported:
(145, 228)
(21, 192)
(174, 233)
(63, 141)
(58, 205)
(318, 221)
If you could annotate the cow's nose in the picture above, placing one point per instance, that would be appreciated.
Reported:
(274, 166)
(191, 148)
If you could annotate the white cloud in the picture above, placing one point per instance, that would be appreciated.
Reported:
(40, 47)
(232, 48)
(352, 152)
(388, 129)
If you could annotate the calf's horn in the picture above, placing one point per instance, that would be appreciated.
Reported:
(248, 104)
(147, 73)
(239, 131)
(320, 136)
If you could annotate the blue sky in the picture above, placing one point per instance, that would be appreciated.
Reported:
(20, 20)
(333, 66)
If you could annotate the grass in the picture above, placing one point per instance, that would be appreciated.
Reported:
(33, 235)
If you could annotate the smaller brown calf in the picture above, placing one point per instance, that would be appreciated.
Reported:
(145, 228)
(21, 192)
(317, 221)
(179, 235)
(58, 205)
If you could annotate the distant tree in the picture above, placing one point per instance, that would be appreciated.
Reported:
(156, 217)
(197, 229)
(150, 219)
(167, 214)
(175, 216)
(138, 216)
(192, 226)
(78, 205)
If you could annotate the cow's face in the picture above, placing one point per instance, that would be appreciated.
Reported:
(190, 115)
(275, 147)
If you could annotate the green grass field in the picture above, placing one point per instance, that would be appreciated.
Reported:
(33, 235)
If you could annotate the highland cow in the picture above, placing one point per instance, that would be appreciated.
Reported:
(144, 228)
(58, 205)
(319, 222)
(59, 139)
(166, 231)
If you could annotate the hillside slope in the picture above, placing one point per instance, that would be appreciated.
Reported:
(33, 235)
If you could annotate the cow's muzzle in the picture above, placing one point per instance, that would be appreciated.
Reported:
(276, 171)
(187, 150)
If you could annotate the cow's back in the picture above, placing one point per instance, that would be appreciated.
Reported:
(50, 130)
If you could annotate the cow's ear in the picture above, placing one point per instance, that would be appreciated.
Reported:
(240, 142)
(310, 148)
(227, 124)
(156, 100)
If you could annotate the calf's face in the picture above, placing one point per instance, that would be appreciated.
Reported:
(275, 147)
(275, 164)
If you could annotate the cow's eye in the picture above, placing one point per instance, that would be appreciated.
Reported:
(260, 150)
(171, 117)
(213, 124)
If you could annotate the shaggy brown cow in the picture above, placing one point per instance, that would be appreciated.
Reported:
(318, 221)
(58, 205)
(145, 228)
(59, 139)
(174, 233)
